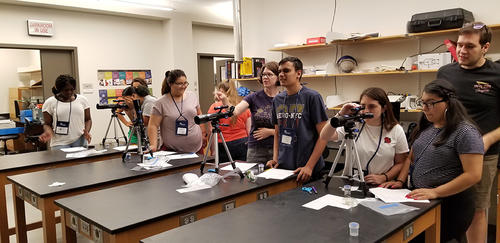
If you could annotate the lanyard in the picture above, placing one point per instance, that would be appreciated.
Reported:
(180, 110)
(288, 107)
(378, 146)
(57, 105)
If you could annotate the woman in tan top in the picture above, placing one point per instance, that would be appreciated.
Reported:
(174, 114)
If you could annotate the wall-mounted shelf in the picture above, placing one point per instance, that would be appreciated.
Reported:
(374, 39)
(353, 74)
(28, 69)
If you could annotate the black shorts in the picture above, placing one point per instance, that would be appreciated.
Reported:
(457, 212)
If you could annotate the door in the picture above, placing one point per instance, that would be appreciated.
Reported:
(55, 63)
(206, 82)
(207, 78)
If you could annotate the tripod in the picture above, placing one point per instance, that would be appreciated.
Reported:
(114, 120)
(352, 159)
(215, 132)
(138, 130)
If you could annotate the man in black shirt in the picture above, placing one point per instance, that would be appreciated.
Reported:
(477, 82)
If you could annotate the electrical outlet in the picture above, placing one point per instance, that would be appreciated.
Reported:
(34, 200)
(187, 219)
(85, 228)
(407, 231)
(73, 222)
(262, 195)
(27, 195)
(96, 234)
(228, 206)
(19, 192)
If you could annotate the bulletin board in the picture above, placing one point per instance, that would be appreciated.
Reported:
(111, 83)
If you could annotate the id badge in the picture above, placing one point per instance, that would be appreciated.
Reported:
(288, 137)
(181, 127)
(62, 128)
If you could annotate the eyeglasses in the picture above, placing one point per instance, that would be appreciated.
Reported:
(429, 104)
(182, 84)
(267, 75)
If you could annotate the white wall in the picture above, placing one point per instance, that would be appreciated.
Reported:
(214, 40)
(10, 60)
(103, 42)
(119, 42)
(293, 21)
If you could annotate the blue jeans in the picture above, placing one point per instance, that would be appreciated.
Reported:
(81, 142)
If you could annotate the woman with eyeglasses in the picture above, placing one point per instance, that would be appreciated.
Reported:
(174, 114)
(445, 159)
(381, 142)
(236, 128)
(261, 136)
(67, 120)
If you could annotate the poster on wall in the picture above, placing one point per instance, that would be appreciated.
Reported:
(112, 83)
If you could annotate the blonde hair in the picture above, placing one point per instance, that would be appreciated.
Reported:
(229, 88)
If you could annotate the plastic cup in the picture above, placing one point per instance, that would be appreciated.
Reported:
(261, 168)
(353, 229)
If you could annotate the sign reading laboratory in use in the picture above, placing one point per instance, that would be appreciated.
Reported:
(40, 27)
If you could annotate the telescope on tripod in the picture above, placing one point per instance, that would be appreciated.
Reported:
(114, 119)
(138, 130)
(352, 165)
(214, 120)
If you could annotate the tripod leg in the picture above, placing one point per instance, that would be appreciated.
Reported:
(121, 128)
(126, 150)
(202, 166)
(362, 183)
(114, 130)
(139, 142)
(348, 160)
(233, 164)
(227, 150)
(107, 130)
(216, 148)
(358, 163)
(335, 161)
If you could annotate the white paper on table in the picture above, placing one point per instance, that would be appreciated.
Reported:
(183, 156)
(122, 148)
(195, 187)
(242, 166)
(73, 149)
(155, 163)
(163, 153)
(394, 195)
(56, 184)
(330, 200)
(274, 173)
(85, 153)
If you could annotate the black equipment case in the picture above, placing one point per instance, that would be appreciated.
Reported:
(439, 20)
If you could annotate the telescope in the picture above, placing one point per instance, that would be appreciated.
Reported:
(119, 105)
(341, 121)
(215, 116)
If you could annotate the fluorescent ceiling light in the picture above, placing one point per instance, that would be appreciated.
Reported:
(151, 4)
